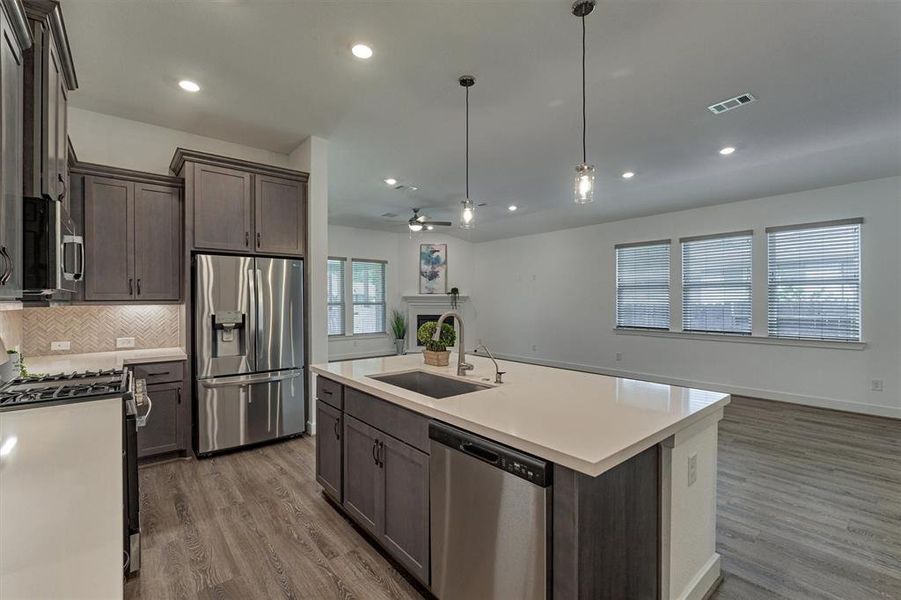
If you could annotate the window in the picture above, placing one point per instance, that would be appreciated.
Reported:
(336, 296)
(814, 281)
(716, 283)
(642, 285)
(368, 296)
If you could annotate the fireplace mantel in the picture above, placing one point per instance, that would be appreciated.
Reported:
(433, 298)
(418, 304)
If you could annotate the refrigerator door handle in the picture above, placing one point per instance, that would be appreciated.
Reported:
(246, 380)
(258, 306)
(253, 301)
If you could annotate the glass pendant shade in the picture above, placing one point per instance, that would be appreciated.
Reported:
(415, 227)
(584, 184)
(468, 214)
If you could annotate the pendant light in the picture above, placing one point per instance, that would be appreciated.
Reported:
(468, 212)
(584, 182)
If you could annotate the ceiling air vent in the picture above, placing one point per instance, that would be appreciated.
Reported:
(727, 105)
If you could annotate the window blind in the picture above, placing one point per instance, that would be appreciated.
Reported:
(814, 281)
(368, 296)
(716, 283)
(336, 296)
(643, 286)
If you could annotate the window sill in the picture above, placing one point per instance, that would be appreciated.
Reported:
(342, 336)
(744, 339)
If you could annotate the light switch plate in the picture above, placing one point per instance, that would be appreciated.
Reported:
(126, 342)
(60, 345)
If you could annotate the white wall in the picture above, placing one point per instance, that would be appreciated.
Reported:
(401, 251)
(108, 140)
(550, 298)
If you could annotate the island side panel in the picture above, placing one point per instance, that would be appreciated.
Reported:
(606, 538)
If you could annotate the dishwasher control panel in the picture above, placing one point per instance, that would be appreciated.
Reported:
(524, 466)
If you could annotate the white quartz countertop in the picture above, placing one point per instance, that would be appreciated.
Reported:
(61, 363)
(589, 423)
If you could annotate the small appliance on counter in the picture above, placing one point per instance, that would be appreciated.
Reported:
(65, 389)
(248, 351)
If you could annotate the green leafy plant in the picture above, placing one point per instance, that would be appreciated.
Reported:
(398, 324)
(427, 330)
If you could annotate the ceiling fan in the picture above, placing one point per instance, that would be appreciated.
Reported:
(418, 221)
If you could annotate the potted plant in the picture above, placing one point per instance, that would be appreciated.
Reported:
(454, 293)
(399, 329)
(436, 353)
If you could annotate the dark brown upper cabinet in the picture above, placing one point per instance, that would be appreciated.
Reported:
(133, 230)
(238, 206)
(15, 39)
(49, 76)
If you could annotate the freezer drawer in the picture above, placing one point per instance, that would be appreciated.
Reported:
(246, 409)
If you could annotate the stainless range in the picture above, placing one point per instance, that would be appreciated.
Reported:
(79, 386)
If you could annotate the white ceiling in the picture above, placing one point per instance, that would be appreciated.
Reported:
(827, 75)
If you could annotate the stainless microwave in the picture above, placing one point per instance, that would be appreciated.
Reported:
(52, 255)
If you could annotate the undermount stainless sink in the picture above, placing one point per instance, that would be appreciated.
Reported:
(429, 384)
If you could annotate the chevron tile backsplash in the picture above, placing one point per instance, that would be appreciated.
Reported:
(95, 328)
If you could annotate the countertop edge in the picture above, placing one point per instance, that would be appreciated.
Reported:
(592, 469)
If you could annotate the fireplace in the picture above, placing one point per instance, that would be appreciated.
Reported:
(421, 319)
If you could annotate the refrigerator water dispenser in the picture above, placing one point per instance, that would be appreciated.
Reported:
(229, 334)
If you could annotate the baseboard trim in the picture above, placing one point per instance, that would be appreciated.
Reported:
(830, 403)
(704, 581)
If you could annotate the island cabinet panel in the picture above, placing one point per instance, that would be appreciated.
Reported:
(157, 242)
(330, 392)
(406, 520)
(223, 208)
(279, 215)
(606, 533)
(363, 478)
(328, 449)
(109, 239)
(398, 422)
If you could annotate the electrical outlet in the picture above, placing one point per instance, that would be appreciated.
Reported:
(692, 468)
(128, 342)
(619, 356)
(876, 385)
(60, 345)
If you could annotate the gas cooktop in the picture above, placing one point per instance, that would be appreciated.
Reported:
(64, 386)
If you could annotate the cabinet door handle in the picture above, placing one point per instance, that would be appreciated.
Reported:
(247, 239)
(139, 286)
(62, 180)
(178, 392)
(381, 454)
(375, 452)
(131, 288)
(8, 268)
(337, 430)
(259, 243)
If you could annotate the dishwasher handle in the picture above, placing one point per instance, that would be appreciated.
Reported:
(522, 465)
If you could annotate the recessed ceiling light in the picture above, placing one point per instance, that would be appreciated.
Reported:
(727, 150)
(188, 85)
(628, 175)
(391, 181)
(512, 208)
(361, 51)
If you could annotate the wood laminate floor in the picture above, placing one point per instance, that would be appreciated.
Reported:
(809, 507)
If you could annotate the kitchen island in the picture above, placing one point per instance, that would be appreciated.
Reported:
(634, 467)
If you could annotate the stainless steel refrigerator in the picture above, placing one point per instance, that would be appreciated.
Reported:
(248, 350)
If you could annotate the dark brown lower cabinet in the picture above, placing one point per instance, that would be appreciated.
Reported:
(162, 433)
(386, 490)
(363, 479)
(405, 530)
(328, 449)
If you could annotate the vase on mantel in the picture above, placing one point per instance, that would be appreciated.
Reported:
(436, 359)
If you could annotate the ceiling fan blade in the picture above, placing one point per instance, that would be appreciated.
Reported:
(438, 223)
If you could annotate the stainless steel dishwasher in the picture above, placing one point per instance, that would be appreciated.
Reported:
(490, 516)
